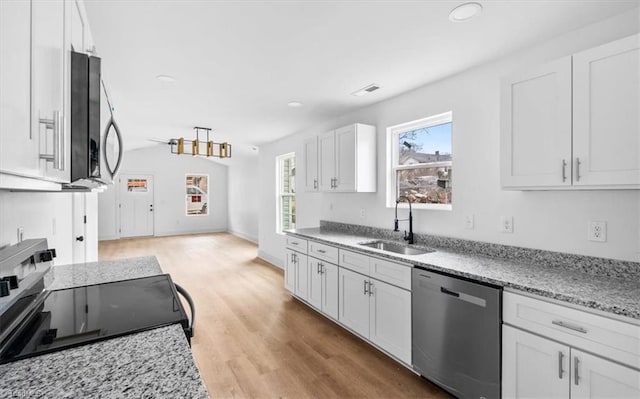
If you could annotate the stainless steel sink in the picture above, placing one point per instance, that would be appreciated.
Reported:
(395, 247)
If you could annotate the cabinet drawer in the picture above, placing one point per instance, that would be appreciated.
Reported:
(391, 272)
(614, 339)
(354, 261)
(297, 244)
(324, 252)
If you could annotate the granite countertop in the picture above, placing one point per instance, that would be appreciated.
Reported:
(157, 363)
(610, 294)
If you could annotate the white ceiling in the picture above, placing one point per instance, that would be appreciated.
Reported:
(238, 63)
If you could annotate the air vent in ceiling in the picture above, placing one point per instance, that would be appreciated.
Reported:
(366, 90)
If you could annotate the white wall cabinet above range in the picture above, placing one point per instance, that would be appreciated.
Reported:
(573, 123)
(342, 160)
(36, 39)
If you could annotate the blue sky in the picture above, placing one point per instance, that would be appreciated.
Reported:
(438, 138)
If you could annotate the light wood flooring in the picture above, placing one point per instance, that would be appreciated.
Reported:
(253, 340)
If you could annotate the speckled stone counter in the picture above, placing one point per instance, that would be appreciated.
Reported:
(152, 364)
(81, 274)
(615, 293)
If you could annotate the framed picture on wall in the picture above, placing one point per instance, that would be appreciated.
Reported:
(197, 197)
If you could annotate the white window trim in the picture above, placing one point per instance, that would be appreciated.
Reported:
(279, 192)
(392, 158)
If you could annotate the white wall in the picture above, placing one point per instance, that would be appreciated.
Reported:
(41, 215)
(244, 199)
(547, 220)
(169, 173)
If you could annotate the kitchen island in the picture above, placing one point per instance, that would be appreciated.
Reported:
(156, 363)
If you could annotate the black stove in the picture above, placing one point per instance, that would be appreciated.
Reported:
(77, 316)
(34, 321)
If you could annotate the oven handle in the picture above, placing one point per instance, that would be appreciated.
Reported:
(192, 307)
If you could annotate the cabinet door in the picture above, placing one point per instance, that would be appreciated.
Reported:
(353, 301)
(315, 283)
(330, 290)
(302, 276)
(290, 270)
(48, 82)
(327, 158)
(18, 146)
(606, 127)
(346, 159)
(533, 367)
(311, 182)
(535, 145)
(390, 315)
(594, 377)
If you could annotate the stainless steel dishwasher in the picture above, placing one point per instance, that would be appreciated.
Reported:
(456, 334)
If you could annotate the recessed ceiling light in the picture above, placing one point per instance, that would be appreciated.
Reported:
(294, 104)
(166, 78)
(366, 90)
(465, 12)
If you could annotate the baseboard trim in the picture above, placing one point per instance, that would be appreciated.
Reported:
(187, 232)
(244, 236)
(271, 259)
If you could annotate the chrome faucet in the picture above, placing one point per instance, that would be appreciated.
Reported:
(407, 237)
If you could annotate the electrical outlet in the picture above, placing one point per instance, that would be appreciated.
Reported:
(468, 222)
(506, 224)
(597, 231)
(362, 213)
(20, 234)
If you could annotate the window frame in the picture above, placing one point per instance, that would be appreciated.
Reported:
(280, 194)
(393, 154)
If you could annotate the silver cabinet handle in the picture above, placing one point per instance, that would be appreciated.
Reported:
(370, 288)
(578, 169)
(321, 268)
(55, 125)
(564, 170)
(315, 183)
(366, 291)
(294, 243)
(322, 251)
(576, 364)
(569, 326)
(292, 257)
(560, 361)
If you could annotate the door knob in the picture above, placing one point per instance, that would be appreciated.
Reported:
(80, 238)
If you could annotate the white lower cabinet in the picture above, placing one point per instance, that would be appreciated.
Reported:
(377, 311)
(290, 270)
(390, 319)
(535, 366)
(354, 301)
(323, 287)
(532, 366)
(596, 377)
(296, 274)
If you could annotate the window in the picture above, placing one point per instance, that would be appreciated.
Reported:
(286, 165)
(421, 162)
(197, 199)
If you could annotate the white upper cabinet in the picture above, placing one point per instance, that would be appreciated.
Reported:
(536, 126)
(19, 149)
(311, 182)
(573, 123)
(327, 160)
(347, 159)
(50, 86)
(606, 105)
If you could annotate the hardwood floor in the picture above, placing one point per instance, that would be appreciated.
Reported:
(254, 340)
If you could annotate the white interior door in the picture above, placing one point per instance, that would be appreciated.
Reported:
(136, 205)
(79, 228)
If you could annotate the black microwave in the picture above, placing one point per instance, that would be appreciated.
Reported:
(85, 117)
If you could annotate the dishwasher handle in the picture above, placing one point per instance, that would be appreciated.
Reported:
(449, 292)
